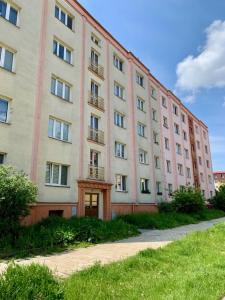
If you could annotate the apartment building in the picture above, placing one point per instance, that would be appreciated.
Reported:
(219, 178)
(87, 120)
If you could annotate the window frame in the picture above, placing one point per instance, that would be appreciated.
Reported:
(10, 6)
(51, 175)
(3, 50)
(144, 182)
(65, 49)
(67, 15)
(118, 63)
(121, 149)
(7, 113)
(141, 128)
(123, 183)
(62, 124)
(119, 117)
(54, 89)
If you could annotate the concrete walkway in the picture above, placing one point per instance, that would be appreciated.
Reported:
(66, 263)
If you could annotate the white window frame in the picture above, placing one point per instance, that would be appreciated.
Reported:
(65, 48)
(96, 40)
(141, 129)
(118, 62)
(8, 7)
(140, 104)
(168, 166)
(188, 172)
(186, 153)
(178, 149)
(164, 102)
(59, 174)
(154, 115)
(64, 84)
(3, 155)
(167, 143)
(143, 156)
(145, 183)
(120, 150)
(154, 93)
(66, 16)
(120, 187)
(2, 58)
(180, 169)
(62, 124)
(165, 122)
(7, 114)
(156, 138)
(120, 89)
(157, 162)
(176, 128)
(158, 188)
(119, 119)
(140, 79)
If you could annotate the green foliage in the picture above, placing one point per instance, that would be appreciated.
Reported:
(55, 232)
(17, 192)
(165, 207)
(164, 220)
(29, 282)
(218, 201)
(188, 200)
(192, 268)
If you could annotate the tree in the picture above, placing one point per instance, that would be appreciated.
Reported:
(17, 192)
(218, 201)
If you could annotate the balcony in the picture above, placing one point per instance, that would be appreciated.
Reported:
(96, 101)
(96, 68)
(96, 135)
(96, 173)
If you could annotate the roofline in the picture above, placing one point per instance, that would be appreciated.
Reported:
(219, 172)
(82, 10)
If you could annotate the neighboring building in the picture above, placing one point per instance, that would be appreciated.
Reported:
(219, 178)
(86, 120)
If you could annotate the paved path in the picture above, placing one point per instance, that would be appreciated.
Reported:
(66, 263)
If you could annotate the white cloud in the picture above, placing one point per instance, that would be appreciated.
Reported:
(207, 69)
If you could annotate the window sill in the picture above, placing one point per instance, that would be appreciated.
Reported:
(57, 186)
(159, 194)
(12, 72)
(66, 142)
(141, 110)
(154, 98)
(67, 101)
(146, 193)
(122, 192)
(120, 98)
(6, 123)
(143, 163)
(70, 64)
(123, 158)
(7, 21)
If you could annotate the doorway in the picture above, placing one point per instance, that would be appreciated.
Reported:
(91, 205)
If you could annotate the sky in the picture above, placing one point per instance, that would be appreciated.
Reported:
(183, 44)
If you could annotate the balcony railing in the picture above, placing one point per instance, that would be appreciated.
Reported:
(96, 68)
(96, 135)
(96, 101)
(96, 173)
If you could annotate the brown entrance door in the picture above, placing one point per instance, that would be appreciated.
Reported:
(91, 205)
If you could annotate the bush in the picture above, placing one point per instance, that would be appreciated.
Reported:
(188, 200)
(218, 201)
(56, 233)
(29, 282)
(17, 192)
(166, 207)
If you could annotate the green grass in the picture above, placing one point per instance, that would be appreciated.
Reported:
(58, 234)
(170, 219)
(193, 268)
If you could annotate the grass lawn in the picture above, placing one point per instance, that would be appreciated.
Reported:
(193, 268)
(164, 220)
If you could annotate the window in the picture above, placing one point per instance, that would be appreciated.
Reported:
(155, 137)
(2, 158)
(61, 89)
(144, 186)
(167, 145)
(140, 104)
(140, 79)
(119, 91)
(154, 115)
(180, 169)
(186, 153)
(210, 179)
(96, 40)
(170, 189)
(157, 164)
(118, 119)
(56, 174)
(121, 183)
(200, 160)
(8, 12)
(178, 149)
(118, 63)
(6, 59)
(3, 111)
(58, 130)
(164, 102)
(204, 134)
(168, 166)
(203, 193)
(165, 122)
(207, 163)
(211, 194)
(206, 149)
(119, 150)
(201, 177)
(185, 135)
(142, 156)
(183, 118)
(159, 188)
(64, 17)
(188, 172)
(62, 52)
(141, 129)
(154, 93)
(196, 129)
(198, 144)
(175, 109)
(176, 128)
(94, 59)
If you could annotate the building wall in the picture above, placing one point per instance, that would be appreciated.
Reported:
(31, 103)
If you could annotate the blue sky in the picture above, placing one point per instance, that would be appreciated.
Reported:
(183, 44)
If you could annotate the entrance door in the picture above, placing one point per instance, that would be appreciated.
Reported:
(91, 205)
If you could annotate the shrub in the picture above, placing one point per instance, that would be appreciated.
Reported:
(29, 282)
(17, 192)
(218, 201)
(165, 207)
(188, 200)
